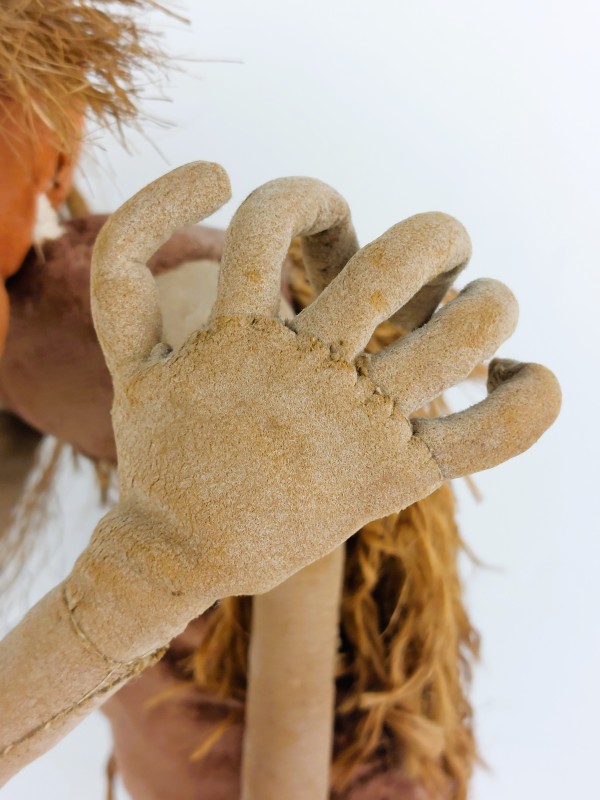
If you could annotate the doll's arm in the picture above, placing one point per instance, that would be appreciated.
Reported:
(55, 668)
(47, 692)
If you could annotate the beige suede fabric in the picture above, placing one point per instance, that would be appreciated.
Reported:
(256, 447)
(290, 702)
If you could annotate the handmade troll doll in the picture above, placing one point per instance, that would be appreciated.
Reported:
(328, 444)
(400, 648)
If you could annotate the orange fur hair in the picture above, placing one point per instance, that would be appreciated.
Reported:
(63, 56)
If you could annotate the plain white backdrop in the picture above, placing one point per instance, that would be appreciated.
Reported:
(490, 113)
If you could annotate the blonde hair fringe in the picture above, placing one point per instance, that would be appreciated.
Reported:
(29, 467)
(64, 57)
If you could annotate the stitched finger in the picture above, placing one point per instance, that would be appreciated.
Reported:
(259, 236)
(468, 330)
(523, 401)
(124, 296)
(385, 276)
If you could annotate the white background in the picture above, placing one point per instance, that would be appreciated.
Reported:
(486, 111)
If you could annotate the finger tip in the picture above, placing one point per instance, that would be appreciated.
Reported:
(204, 175)
(504, 298)
(550, 391)
(498, 305)
(539, 390)
(445, 232)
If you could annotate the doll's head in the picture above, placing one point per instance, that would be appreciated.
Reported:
(51, 78)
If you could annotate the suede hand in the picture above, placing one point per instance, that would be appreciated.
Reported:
(259, 446)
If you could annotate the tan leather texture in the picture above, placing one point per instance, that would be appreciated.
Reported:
(258, 446)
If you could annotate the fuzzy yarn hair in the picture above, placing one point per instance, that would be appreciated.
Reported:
(406, 641)
(63, 58)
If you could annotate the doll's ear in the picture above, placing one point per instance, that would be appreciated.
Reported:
(124, 294)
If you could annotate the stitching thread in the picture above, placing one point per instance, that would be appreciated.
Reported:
(433, 458)
(130, 670)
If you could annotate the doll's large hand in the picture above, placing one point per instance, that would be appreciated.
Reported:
(260, 446)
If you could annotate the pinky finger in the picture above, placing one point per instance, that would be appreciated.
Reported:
(523, 401)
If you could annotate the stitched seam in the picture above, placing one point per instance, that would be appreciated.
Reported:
(129, 670)
(433, 458)
(89, 644)
(253, 320)
(135, 667)
(332, 359)
(357, 368)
